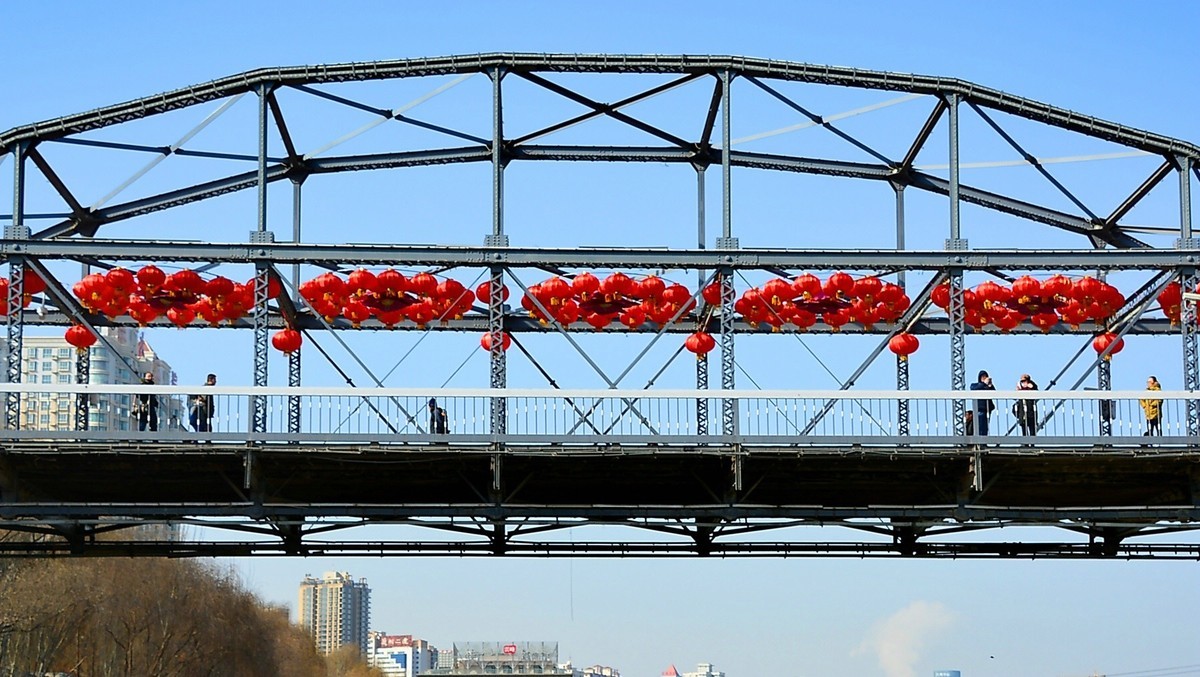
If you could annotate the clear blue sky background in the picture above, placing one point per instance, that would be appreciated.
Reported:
(1132, 63)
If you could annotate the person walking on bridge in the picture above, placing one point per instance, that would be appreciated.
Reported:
(1026, 410)
(983, 408)
(146, 407)
(1152, 407)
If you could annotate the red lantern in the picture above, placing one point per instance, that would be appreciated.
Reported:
(868, 288)
(598, 320)
(633, 317)
(287, 341)
(80, 337)
(218, 287)
(143, 313)
(904, 344)
(803, 318)
(568, 312)
(1044, 321)
(423, 284)
(1103, 341)
(181, 316)
(617, 284)
(836, 318)
(484, 293)
(1026, 289)
(650, 288)
(1170, 299)
(362, 282)
(584, 285)
(712, 294)
(837, 283)
(150, 278)
(356, 312)
(700, 343)
(486, 341)
(941, 295)
(807, 286)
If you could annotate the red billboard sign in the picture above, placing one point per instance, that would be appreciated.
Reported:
(510, 649)
(393, 641)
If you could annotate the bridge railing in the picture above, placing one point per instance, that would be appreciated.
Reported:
(589, 416)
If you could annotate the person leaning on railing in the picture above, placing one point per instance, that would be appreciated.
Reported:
(1152, 408)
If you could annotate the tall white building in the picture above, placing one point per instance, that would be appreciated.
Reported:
(336, 610)
(51, 360)
(399, 655)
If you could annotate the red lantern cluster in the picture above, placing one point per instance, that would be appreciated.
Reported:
(182, 296)
(617, 297)
(1043, 302)
(903, 345)
(388, 296)
(837, 301)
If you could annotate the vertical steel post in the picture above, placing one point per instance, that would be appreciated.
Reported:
(1103, 384)
(83, 374)
(729, 414)
(498, 364)
(14, 321)
(957, 309)
(1188, 280)
(901, 362)
(261, 274)
(293, 357)
(701, 358)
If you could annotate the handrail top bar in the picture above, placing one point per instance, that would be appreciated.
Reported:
(550, 393)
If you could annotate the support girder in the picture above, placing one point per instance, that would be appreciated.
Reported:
(87, 222)
(599, 63)
(450, 256)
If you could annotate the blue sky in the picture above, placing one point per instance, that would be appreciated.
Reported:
(1128, 63)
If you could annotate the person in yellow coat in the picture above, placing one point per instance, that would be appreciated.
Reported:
(1153, 409)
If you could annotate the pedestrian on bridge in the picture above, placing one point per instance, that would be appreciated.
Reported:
(1026, 410)
(1152, 408)
(438, 424)
(202, 407)
(983, 408)
(146, 407)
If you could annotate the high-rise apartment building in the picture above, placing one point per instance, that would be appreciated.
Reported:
(49, 360)
(336, 610)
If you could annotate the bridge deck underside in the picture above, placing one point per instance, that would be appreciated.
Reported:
(182, 479)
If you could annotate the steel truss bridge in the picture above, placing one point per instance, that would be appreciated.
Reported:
(620, 471)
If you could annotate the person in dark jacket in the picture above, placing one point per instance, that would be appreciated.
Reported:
(983, 408)
(146, 407)
(1026, 410)
(437, 418)
(202, 407)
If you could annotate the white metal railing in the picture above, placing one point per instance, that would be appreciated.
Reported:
(357, 413)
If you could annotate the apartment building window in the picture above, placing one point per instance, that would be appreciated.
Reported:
(64, 365)
(31, 366)
(47, 352)
(47, 366)
(44, 404)
(63, 419)
(47, 378)
(64, 378)
(64, 352)
(44, 419)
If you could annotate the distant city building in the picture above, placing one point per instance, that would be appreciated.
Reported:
(702, 670)
(51, 360)
(947, 673)
(399, 655)
(336, 610)
(597, 671)
(506, 658)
